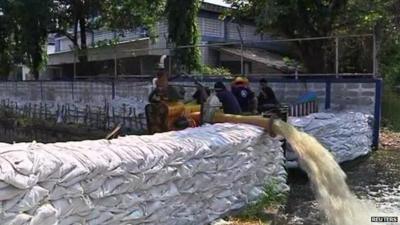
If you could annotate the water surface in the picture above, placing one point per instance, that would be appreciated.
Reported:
(375, 178)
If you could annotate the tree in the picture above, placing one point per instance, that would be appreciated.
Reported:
(183, 30)
(23, 34)
(131, 14)
(75, 18)
(296, 19)
(310, 18)
(6, 41)
(33, 18)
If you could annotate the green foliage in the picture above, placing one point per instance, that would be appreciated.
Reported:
(220, 71)
(309, 18)
(6, 41)
(23, 34)
(33, 20)
(25, 24)
(296, 19)
(391, 109)
(183, 30)
(272, 197)
(131, 14)
(114, 15)
(389, 61)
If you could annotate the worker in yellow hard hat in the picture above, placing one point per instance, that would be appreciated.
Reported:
(245, 96)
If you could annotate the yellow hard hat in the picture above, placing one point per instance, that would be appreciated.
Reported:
(241, 80)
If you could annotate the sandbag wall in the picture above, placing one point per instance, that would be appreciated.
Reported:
(347, 135)
(188, 177)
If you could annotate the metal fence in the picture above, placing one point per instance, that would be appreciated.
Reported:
(83, 91)
(345, 55)
(104, 117)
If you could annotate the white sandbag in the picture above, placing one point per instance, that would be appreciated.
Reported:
(64, 208)
(93, 184)
(31, 199)
(20, 161)
(102, 219)
(45, 164)
(347, 135)
(3, 184)
(45, 215)
(10, 192)
(72, 220)
(8, 204)
(192, 176)
(72, 191)
(16, 219)
(134, 214)
(10, 176)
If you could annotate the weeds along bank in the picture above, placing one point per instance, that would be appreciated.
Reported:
(188, 177)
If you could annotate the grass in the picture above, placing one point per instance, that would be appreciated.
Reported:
(391, 110)
(262, 211)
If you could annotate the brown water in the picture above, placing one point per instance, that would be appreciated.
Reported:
(328, 181)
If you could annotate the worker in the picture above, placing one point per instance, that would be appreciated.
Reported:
(229, 102)
(164, 92)
(244, 95)
(266, 99)
(201, 94)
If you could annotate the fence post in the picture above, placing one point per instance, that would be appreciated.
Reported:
(75, 52)
(377, 113)
(113, 89)
(337, 56)
(41, 90)
(241, 50)
(72, 89)
(16, 88)
(115, 64)
(328, 85)
(374, 56)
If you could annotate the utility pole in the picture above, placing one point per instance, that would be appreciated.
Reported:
(241, 50)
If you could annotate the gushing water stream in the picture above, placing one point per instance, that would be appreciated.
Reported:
(339, 204)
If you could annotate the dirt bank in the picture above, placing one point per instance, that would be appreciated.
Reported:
(389, 140)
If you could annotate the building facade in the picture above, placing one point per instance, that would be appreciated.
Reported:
(137, 54)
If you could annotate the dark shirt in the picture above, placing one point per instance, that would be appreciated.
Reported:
(198, 95)
(266, 97)
(244, 96)
(229, 102)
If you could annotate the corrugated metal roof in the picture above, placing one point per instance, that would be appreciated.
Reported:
(261, 56)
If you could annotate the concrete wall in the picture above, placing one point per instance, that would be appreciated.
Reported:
(352, 95)
(176, 178)
(359, 96)
(80, 91)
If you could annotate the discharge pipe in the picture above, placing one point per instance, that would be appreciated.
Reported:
(162, 62)
(211, 113)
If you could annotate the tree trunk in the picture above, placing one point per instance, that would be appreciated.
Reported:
(82, 26)
(35, 73)
(83, 57)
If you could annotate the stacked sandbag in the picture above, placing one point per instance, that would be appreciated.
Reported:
(188, 177)
(347, 135)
